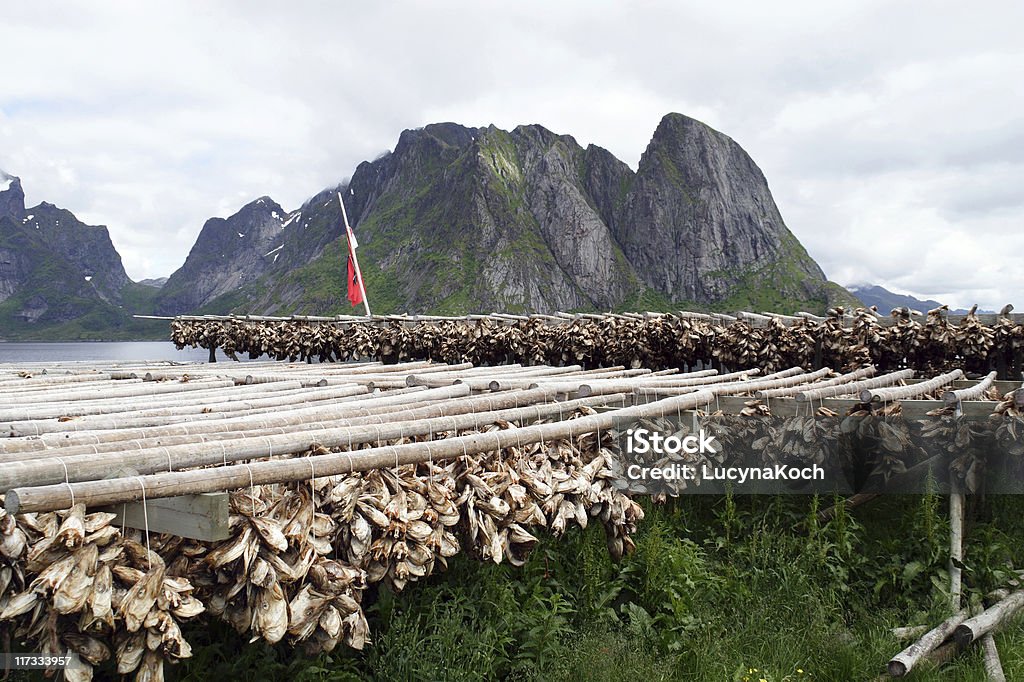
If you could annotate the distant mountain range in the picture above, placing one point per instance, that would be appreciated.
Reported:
(454, 220)
(885, 300)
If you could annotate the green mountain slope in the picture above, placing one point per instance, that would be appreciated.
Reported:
(62, 279)
(459, 220)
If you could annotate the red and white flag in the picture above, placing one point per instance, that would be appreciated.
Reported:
(356, 286)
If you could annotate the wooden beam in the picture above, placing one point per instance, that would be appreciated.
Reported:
(989, 619)
(903, 662)
(200, 517)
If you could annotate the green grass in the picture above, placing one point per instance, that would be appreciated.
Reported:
(94, 320)
(720, 588)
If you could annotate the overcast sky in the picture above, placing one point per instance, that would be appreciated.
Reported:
(891, 134)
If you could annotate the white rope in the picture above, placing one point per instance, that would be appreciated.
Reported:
(67, 480)
(312, 496)
(145, 521)
(252, 488)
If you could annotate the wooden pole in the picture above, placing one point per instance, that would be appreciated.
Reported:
(989, 619)
(903, 662)
(910, 632)
(606, 381)
(975, 392)
(17, 383)
(446, 401)
(956, 548)
(777, 380)
(247, 446)
(850, 503)
(51, 392)
(956, 535)
(160, 413)
(900, 392)
(792, 391)
(993, 666)
(233, 477)
(849, 389)
(127, 389)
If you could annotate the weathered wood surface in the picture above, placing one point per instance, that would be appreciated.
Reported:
(990, 619)
(114, 491)
(911, 391)
(261, 444)
(990, 657)
(155, 412)
(200, 517)
(975, 392)
(754, 319)
(903, 662)
(368, 408)
(790, 391)
(853, 388)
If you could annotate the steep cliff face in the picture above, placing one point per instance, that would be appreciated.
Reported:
(460, 219)
(12, 198)
(13, 263)
(86, 247)
(482, 219)
(455, 219)
(699, 222)
(228, 254)
(59, 277)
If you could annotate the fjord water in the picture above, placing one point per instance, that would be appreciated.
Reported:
(101, 351)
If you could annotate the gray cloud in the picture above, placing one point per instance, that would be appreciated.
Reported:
(890, 133)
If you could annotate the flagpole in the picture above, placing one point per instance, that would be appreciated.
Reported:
(352, 254)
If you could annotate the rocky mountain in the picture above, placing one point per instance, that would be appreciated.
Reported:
(12, 198)
(886, 300)
(460, 219)
(698, 196)
(454, 220)
(228, 254)
(59, 277)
